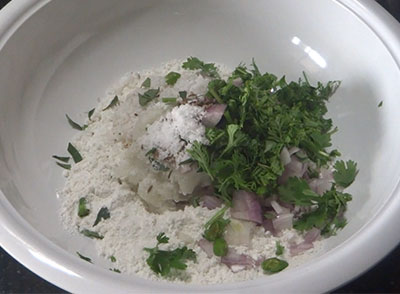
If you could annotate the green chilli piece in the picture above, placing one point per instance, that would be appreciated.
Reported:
(273, 265)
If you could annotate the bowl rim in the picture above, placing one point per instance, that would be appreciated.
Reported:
(54, 264)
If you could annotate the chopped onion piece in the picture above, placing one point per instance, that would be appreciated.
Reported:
(213, 115)
(246, 206)
(283, 222)
(278, 208)
(293, 169)
(239, 232)
(296, 249)
(293, 150)
(210, 202)
(285, 156)
(207, 246)
(233, 259)
(237, 82)
(268, 226)
(312, 235)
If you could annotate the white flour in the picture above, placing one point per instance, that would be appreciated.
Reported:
(115, 173)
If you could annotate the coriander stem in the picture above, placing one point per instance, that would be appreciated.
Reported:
(217, 215)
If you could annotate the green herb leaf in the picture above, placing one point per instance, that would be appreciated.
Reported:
(66, 166)
(91, 234)
(273, 265)
(169, 99)
(162, 239)
(207, 69)
(146, 83)
(161, 261)
(113, 103)
(151, 151)
(220, 247)
(90, 113)
(74, 125)
(61, 158)
(82, 209)
(112, 258)
(76, 156)
(84, 257)
(279, 248)
(148, 96)
(172, 77)
(103, 213)
(115, 270)
(183, 94)
(380, 104)
(297, 192)
(345, 173)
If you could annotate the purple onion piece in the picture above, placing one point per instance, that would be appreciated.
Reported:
(210, 202)
(235, 259)
(207, 246)
(312, 235)
(246, 206)
(296, 249)
(283, 222)
(213, 115)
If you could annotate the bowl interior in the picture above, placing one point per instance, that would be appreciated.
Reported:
(66, 55)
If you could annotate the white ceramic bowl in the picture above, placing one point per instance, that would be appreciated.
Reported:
(57, 57)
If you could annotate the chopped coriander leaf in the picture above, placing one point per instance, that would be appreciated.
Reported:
(91, 234)
(112, 258)
(262, 116)
(207, 69)
(84, 257)
(297, 192)
(279, 248)
(151, 151)
(183, 94)
(115, 270)
(273, 265)
(172, 77)
(162, 239)
(146, 83)
(162, 261)
(82, 209)
(74, 125)
(61, 158)
(113, 103)
(90, 113)
(148, 96)
(345, 173)
(63, 165)
(328, 214)
(103, 213)
(216, 229)
(76, 156)
(169, 99)
(380, 104)
(220, 247)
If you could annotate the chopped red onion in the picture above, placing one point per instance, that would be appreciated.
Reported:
(268, 226)
(285, 156)
(296, 249)
(237, 82)
(234, 259)
(293, 150)
(312, 235)
(293, 169)
(283, 222)
(267, 201)
(210, 202)
(246, 206)
(278, 208)
(207, 246)
(323, 183)
(213, 115)
(239, 232)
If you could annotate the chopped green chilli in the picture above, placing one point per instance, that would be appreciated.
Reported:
(91, 234)
(279, 248)
(102, 214)
(273, 265)
(82, 209)
(148, 96)
(146, 83)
